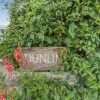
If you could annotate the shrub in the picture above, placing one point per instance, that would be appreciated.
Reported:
(34, 86)
(74, 24)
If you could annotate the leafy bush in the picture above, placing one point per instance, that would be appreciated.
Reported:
(74, 24)
(35, 86)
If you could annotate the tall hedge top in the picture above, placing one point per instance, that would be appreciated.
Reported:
(56, 22)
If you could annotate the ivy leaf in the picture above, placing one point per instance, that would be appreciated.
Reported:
(72, 28)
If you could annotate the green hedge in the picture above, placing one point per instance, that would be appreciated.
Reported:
(35, 86)
(74, 24)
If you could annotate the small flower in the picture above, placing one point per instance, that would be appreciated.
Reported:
(19, 57)
(2, 97)
(22, 61)
(10, 68)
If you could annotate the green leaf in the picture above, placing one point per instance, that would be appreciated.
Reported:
(98, 55)
(32, 36)
(29, 44)
(41, 36)
(72, 28)
(57, 97)
(47, 39)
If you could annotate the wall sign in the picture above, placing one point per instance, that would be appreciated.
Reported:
(43, 58)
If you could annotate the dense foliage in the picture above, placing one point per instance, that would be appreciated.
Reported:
(34, 86)
(74, 24)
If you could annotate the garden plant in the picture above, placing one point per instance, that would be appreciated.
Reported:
(74, 24)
